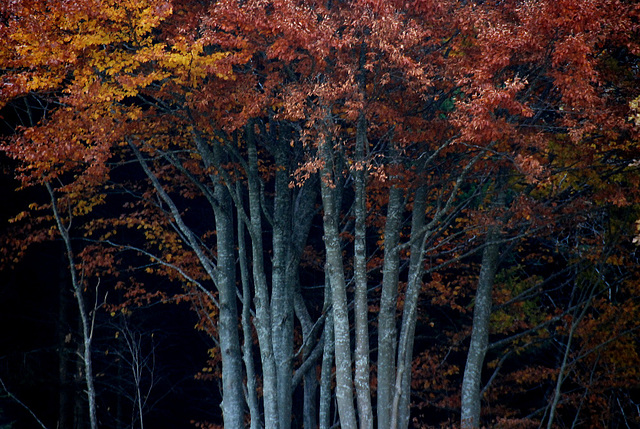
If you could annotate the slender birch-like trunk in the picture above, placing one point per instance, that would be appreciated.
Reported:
(281, 294)
(387, 333)
(302, 216)
(309, 407)
(247, 347)
(233, 398)
(562, 372)
(262, 321)
(87, 328)
(405, 349)
(361, 305)
(471, 396)
(222, 274)
(335, 271)
(324, 409)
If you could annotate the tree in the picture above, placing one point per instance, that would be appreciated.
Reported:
(204, 141)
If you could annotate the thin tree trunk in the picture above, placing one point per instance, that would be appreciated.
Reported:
(87, 329)
(361, 305)
(262, 321)
(302, 216)
(324, 413)
(471, 396)
(223, 275)
(405, 349)
(247, 348)
(387, 333)
(281, 294)
(335, 271)
(309, 408)
(557, 392)
(233, 398)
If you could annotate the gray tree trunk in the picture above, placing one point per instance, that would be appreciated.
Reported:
(405, 350)
(233, 398)
(387, 333)
(223, 275)
(471, 396)
(335, 271)
(262, 321)
(324, 411)
(302, 216)
(361, 305)
(281, 294)
(86, 324)
(309, 408)
(247, 348)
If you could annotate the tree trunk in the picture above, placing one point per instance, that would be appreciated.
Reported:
(405, 349)
(324, 412)
(262, 321)
(302, 215)
(247, 347)
(86, 325)
(471, 396)
(335, 271)
(309, 408)
(387, 333)
(233, 398)
(222, 274)
(281, 294)
(361, 305)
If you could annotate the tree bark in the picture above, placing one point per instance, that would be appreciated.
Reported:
(361, 305)
(281, 294)
(405, 349)
(387, 332)
(222, 274)
(247, 347)
(233, 398)
(302, 215)
(262, 321)
(86, 325)
(309, 408)
(335, 271)
(471, 396)
(324, 412)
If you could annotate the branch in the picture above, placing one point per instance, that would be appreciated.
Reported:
(168, 265)
(192, 240)
(22, 404)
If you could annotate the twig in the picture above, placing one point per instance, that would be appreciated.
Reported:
(22, 404)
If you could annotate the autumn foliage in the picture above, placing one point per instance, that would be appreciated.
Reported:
(350, 196)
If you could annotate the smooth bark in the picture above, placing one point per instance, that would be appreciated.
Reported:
(302, 216)
(402, 396)
(361, 304)
(222, 274)
(262, 321)
(86, 325)
(281, 292)
(324, 408)
(387, 332)
(233, 398)
(335, 272)
(471, 394)
(247, 347)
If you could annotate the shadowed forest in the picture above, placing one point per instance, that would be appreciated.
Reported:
(319, 214)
